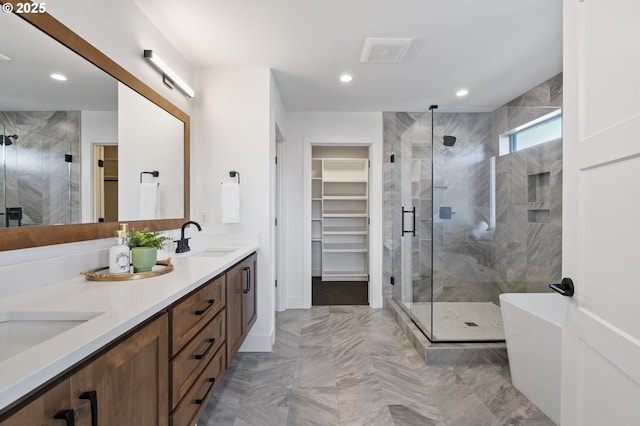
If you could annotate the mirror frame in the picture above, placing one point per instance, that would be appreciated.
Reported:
(38, 236)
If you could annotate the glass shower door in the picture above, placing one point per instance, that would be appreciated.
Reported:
(419, 151)
(411, 258)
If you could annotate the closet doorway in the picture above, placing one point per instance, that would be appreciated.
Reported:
(105, 183)
(340, 225)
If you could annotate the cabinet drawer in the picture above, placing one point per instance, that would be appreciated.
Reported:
(193, 358)
(191, 314)
(197, 397)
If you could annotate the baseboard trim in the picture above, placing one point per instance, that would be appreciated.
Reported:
(258, 343)
(295, 303)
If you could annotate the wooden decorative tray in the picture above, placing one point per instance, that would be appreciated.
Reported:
(102, 274)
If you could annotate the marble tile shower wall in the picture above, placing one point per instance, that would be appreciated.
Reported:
(38, 178)
(524, 251)
(461, 264)
(528, 239)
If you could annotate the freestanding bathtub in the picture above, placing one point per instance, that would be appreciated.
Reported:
(532, 327)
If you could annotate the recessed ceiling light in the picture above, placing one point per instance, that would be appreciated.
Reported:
(346, 78)
(462, 92)
(58, 77)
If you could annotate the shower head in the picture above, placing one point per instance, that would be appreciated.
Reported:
(449, 140)
(6, 139)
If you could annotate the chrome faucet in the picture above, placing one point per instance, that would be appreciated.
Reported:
(183, 243)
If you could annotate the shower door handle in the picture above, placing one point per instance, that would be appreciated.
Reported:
(413, 221)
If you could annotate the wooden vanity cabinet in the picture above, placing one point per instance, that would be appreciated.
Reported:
(42, 410)
(128, 383)
(241, 303)
(249, 300)
(197, 334)
(162, 373)
(198, 395)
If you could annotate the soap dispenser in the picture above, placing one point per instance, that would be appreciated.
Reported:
(119, 255)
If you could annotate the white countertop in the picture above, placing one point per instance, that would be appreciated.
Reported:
(124, 305)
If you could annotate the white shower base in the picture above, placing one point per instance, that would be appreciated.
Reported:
(459, 321)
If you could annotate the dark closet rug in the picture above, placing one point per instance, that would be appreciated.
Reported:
(339, 292)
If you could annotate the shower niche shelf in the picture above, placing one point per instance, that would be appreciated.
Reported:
(538, 196)
(342, 249)
(538, 187)
(538, 216)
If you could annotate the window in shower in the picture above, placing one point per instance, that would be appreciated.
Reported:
(535, 132)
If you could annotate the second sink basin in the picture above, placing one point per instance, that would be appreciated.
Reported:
(21, 330)
(215, 252)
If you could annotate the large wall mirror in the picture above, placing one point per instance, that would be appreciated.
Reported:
(80, 155)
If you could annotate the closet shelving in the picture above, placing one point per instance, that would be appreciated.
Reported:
(343, 203)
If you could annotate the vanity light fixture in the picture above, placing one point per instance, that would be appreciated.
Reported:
(59, 77)
(169, 77)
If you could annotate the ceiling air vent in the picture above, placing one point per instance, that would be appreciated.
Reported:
(388, 50)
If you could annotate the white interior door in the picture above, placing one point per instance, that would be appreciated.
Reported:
(601, 340)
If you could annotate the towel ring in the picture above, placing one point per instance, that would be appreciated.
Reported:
(154, 173)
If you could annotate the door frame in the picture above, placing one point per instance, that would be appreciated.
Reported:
(375, 216)
(280, 250)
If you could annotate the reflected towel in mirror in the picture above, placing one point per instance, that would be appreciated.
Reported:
(149, 201)
(230, 202)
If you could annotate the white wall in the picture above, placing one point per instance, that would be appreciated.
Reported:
(97, 128)
(233, 125)
(303, 129)
(149, 139)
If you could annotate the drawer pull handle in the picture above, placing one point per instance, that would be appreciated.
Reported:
(212, 380)
(210, 303)
(66, 415)
(248, 271)
(92, 396)
(203, 354)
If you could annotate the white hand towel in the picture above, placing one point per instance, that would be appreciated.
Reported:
(148, 201)
(230, 202)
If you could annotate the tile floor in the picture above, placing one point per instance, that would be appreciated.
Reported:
(351, 365)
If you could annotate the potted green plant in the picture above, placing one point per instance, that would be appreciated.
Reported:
(144, 247)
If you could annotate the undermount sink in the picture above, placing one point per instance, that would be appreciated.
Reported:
(215, 252)
(21, 330)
